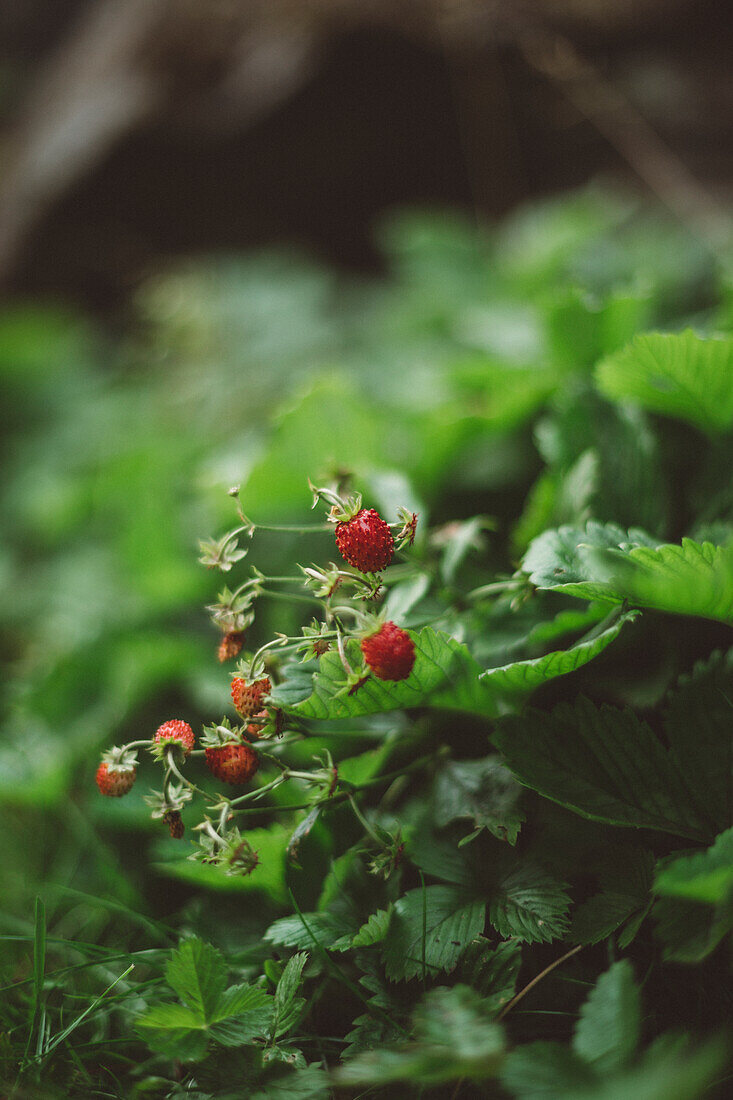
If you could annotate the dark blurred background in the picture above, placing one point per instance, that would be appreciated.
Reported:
(136, 130)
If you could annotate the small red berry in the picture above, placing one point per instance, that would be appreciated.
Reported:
(115, 782)
(233, 763)
(365, 541)
(248, 698)
(175, 732)
(389, 652)
(230, 645)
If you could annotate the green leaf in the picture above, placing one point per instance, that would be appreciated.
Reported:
(332, 930)
(492, 970)
(609, 564)
(445, 675)
(621, 773)
(454, 1038)
(684, 376)
(691, 579)
(373, 930)
(483, 791)
(607, 1032)
(706, 876)
(544, 1071)
(698, 723)
(690, 930)
(523, 676)
(288, 1006)
(531, 905)
(563, 560)
(174, 1030)
(598, 917)
(668, 1071)
(197, 973)
(449, 921)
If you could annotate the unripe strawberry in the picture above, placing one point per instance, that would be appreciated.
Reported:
(248, 698)
(233, 763)
(389, 652)
(230, 645)
(365, 541)
(115, 780)
(175, 732)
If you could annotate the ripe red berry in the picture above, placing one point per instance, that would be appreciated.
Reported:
(389, 652)
(248, 698)
(230, 645)
(365, 541)
(113, 781)
(175, 732)
(233, 763)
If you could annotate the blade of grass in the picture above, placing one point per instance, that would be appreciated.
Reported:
(39, 968)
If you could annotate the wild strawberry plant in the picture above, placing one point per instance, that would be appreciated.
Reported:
(511, 837)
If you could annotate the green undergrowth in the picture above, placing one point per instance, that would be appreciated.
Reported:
(521, 884)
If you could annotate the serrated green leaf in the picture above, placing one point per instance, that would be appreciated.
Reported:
(691, 579)
(607, 1032)
(530, 905)
(174, 1030)
(171, 1017)
(523, 676)
(373, 930)
(450, 921)
(562, 560)
(621, 773)
(680, 375)
(239, 999)
(197, 973)
(492, 970)
(483, 791)
(332, 930)
(606, 563)
(288, 1006)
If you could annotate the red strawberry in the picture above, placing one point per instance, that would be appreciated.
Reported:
(365, 541)
(230, 645)
(233, 763)
(175, 732)
(115, 781)
(247, 698)
(389, 652)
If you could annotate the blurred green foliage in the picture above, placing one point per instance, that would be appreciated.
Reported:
(460, 383)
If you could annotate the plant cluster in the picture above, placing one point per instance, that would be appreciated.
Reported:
(482, 845)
